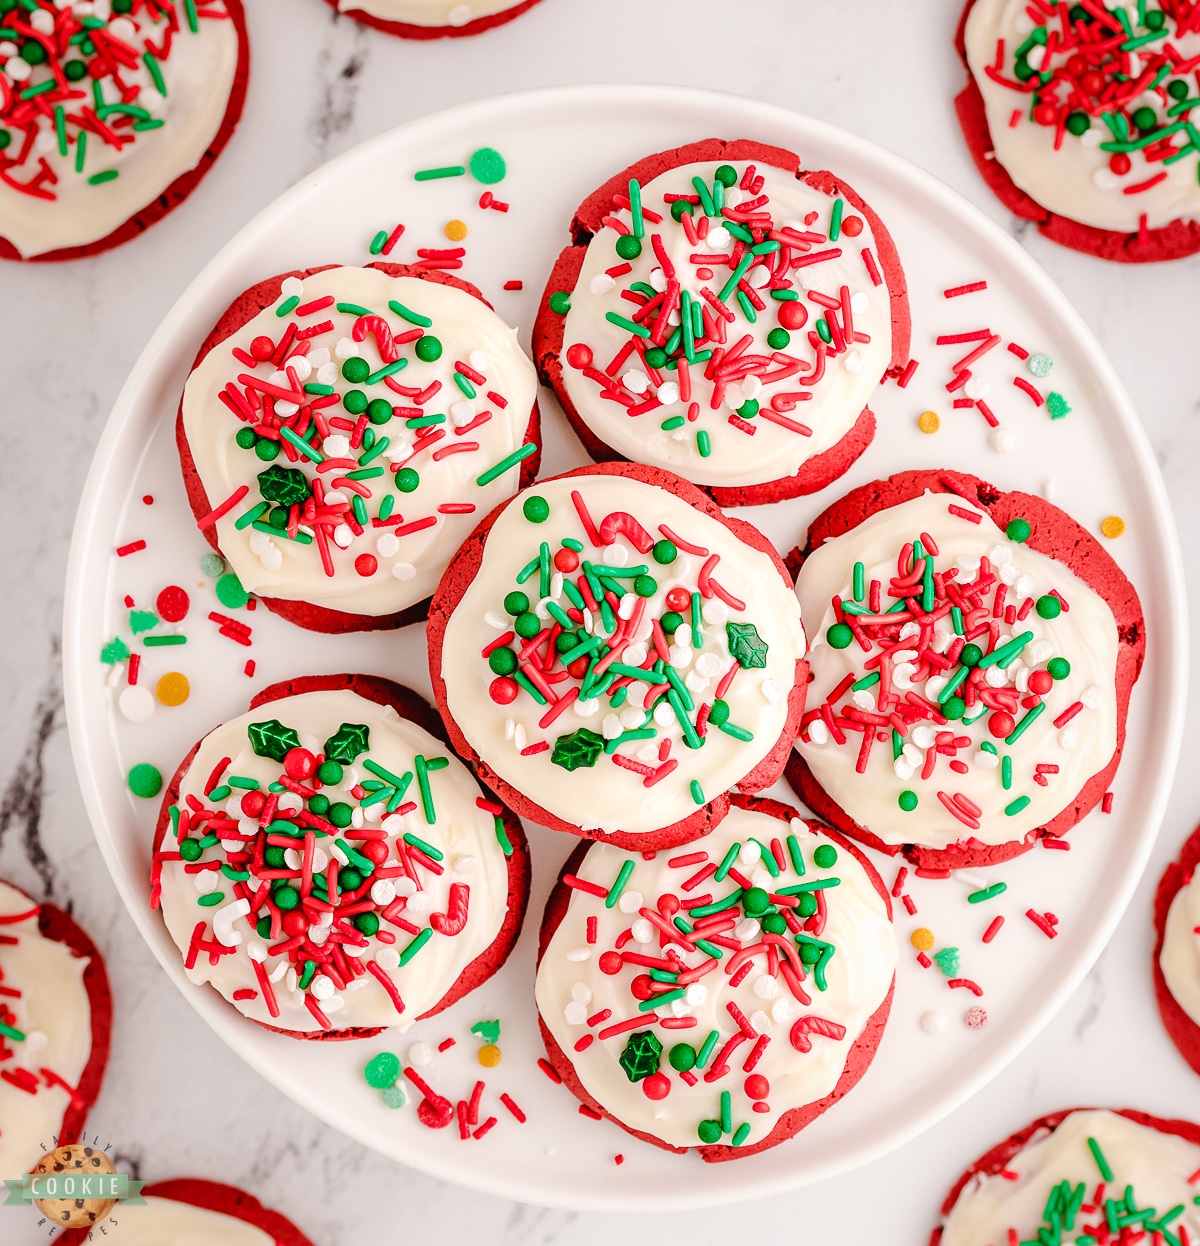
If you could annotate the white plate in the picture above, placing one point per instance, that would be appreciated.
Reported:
(559, 145)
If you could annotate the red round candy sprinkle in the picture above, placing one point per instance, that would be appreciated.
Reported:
(852, 226)
(435, 1115)
(794, 315)
(294, 923)
(299, 763)
(579, 356)
(262, 348)
(656, 1086)
(566, 560)
(1092, 83)
(757, 1086)
(611, 962)
(668, 905)
(1045, 114)
(679, 599)
(1041, 682)
(641, 987)
(1001, 724)
(366, 565)
(148, 499)
(578, 669)
(1076, 66)
(374, 850)
(252, 804)
(172, 604)
(503, 691)
(1120, 163)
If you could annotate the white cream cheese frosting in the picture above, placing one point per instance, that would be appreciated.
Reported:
(607, 760)
(401, 900)
(415, 473)
(1180, 957)
(796, 378)
(46, 1003)
(1156, 1170)
(1069, 173)
(585, 986)
(429, 12)
(1052, 751)
(186, 87)
(166, 1222)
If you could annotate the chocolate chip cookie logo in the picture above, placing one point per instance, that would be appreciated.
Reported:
(75, 1186)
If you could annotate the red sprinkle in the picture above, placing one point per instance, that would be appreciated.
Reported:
(956, 291)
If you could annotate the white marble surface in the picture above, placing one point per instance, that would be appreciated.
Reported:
(175, 1102)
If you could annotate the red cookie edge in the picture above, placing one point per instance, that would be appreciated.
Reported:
(409, 30)
(1181, 1029)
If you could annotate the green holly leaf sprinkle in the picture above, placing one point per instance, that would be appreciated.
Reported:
(142, 621)
(947, 961)
(580, 748)
(272, 739)
(286, 486)
(746, 645)
(115, 651)
(641, 1055)
(348, 742)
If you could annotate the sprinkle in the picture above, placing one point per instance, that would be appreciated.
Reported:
(971, 288)
(133, 547)
(929, 422)
(987, 893)
(511, 460)
(430, 175)
(1112, 527)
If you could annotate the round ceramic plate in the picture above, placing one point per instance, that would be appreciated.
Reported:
(1094, 462)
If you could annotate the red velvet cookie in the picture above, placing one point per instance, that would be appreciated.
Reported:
(213, 1196)
(111, 175)
(520, 651)
(32, 1005)
(460, 30)
(395, 849)
(389, 518)
(668, 1076)
(1082, 96)
(1184, 1032)
(736, 395)
(911, 776)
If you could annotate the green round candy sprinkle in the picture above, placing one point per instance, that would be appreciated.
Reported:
(565, 641)
(1018, 530)
(840, 636)
(516, 602)
(382, 1070)
(682, 1057)
(190, 850)
(1144, 118)
(407, 480)
(907, 801)
(379, 411)
(319, 804)
(367, 923)
(681, 208)
(749, 409)
(355, 401)
(628, 247)
(809, 955)
(487, 166)
(1155, 19)
(429, 348)
(6, 136)
(536, 509)
(330, 773)
(145, 780)
(273, 856)
(778, 339)
(349, 879)
(719, 714)
(954, 708)
(246, 437)
(825, 857)
(774, 923)
(266, 449)
(656, 357)
(263, 927)
(970, 655)
(671, 622)
(755, 902)
(230, 592)
(122, 6)
(527, 625)
(1178, 89)
(645, 585)
(1079, 123)
(664, 552)
(808, 904)
(393, 1097)
(1049, 607)
(286, 898)
(1040, 365)
(356, 369)
(32, 52)
(1059, 668)
(212, 565)
(75, 71)
(502, 661)
(340, 813)
(278, 518)
(709, 1132)
(1022, 70)
(727, 175)
(560, 302)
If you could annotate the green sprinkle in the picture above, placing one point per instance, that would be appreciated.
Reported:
(867, 681)
(706, 1048)
(697, 792)
(213, 897)
(703, 444)
(511, 460)
(415, 841)
(388, 369)
(523, 680)
(628, 325)
(743, 1130)
(378, 242)
(98, 179)
(1021, 727)
(657, 1001)
(255, 512)
(416, 945)
(300, 444)
(432, 175)
(614, 893)
(727, 862)
(835, 220)
(1016, 806)
(153, 642)
(408, 314)
(426, 795)
(797, 857)
(726, 1112)
(1098, 1155)
(719, 906)
(9, 1032)
(1005, 771)
(502, 836)
(1006, 653)
(987, 893)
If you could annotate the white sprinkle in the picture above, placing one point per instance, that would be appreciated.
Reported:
(346, 348)
(766, 986)
(420, 1054)
(336, 446)
(601, 283)
(1103, 177)
(387, 958)
(643, 931)
(715, 611)
(933, 1022)
(461, 413)
(383, 891)
(668, 393)
(852, 361)
(136, 702)
(818, 732)
(419, 902)
(615, 555)
(746, 929)
(520, 740)
(579, 954)
(1068, 737)
(387, 545)
(342, 536)
(860, 302)
(1092, 696)
(985, 760)
(636, 381)
(760, 1022)
(695, 994)
(588, 708)
(18, 69)
(581, 992)
(575, 1013)
(321, 987)
(206, 881)
(460, 15)
(630, 901)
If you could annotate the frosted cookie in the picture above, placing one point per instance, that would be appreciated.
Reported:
(110, 114)
(432, 19)
(55, 1024)
(725, 315)
(614, 654)
(191, 1212)
(1079, 117)
(1177, 951)
(973, 655)
(324, 865)
(1084, 1176)
(718, 999)
(344, 429)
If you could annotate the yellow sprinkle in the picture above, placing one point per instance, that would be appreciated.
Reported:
(922, 939)
(173, 688)
(1113, 527)
(929, 422)
(489, 1055)
(456, 231)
